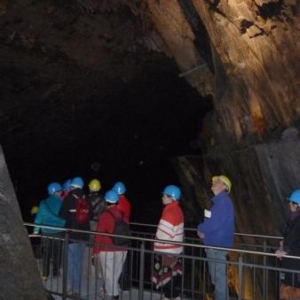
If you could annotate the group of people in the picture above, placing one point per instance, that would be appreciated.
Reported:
(68, 206)
(216, 231)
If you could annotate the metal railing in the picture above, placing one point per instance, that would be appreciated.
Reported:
(253, 270)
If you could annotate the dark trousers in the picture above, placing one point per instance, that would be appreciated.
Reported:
(52, 251)
(173, 288)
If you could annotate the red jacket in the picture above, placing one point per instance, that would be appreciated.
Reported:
(125, 206)
(106, 224)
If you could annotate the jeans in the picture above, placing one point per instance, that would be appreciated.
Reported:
(75, 259)
(218, 272)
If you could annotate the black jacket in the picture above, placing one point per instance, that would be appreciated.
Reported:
(98, 204)
(67, 212)
(291, 244)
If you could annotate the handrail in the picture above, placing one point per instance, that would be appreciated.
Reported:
(186, 229)
(236, 233)
(152, 240)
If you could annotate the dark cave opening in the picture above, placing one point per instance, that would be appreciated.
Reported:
(129, 135)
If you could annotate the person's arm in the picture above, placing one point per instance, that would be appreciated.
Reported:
(291, 243)
(65, 208)
(164, 229)
(221, 212)
(210, 224)
(38, 219)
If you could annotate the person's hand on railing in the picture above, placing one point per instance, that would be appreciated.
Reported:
(279, 253)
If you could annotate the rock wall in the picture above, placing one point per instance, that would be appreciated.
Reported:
(19, 276)
(263, 176)
(243, 53)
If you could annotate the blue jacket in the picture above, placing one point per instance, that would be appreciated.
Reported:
(48, 214)
(219, 228)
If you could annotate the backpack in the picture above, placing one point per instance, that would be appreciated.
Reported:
(82, 207)
(98, 205)
(120, 228)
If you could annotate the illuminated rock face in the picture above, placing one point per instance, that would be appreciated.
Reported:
(246, 57)
(254, 72)
(254, 60)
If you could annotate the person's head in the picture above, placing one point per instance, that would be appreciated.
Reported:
(67, 185)
(111, 197)
(171, 193)
(54, 188)
(34, 210)
(119, 187)
(94, 185)
(294, 200)
(220, 183)
(77, 183)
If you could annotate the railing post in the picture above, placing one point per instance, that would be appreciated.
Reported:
(240, 276)
(264, 270)
(65, 265)
(141, 277)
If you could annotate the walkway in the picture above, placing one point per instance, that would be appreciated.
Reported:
(91, 289)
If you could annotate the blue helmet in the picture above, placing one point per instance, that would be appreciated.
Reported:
(173, 191)
(111, 196)
(119, 187)
(67, 185)
(54, 187)
(295, 197)
(77, 182)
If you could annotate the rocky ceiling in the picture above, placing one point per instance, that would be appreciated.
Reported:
(85, 89)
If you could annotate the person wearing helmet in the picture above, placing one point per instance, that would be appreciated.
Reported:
(167, 261)
(96, 200)
(34, 209)
(66, 189)
(110, 257)
(77, 240)
(217, 229)
(48, 214)
(98, 205)
(123, 204)
(290, 245)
